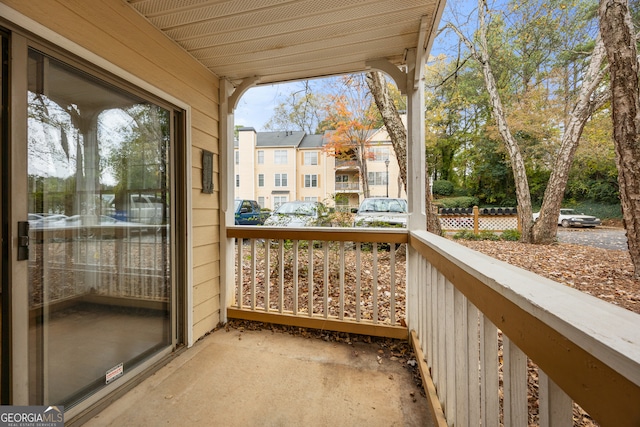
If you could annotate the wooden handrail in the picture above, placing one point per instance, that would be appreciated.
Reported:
(336, 234)
(590, 348)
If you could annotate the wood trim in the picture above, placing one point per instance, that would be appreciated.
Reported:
(605, 393)
(385, 331)
(427, 382)
(319, 233)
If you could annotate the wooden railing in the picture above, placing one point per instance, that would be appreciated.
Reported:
(505, 346)
(498, 345)
(326, 278)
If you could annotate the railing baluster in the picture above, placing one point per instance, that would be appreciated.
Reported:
(240, 273)
(341, 260)
(450, 355)
(310, 279)
(433, 320)
(556, 407)
(325, 267)
(473, 354)
(514, 371)
(295, 277)
(461, 391)
(489, 391)
(374, 297)
(392, 285)
(281, 277)
(358, 280)
(442, 339)
(267, 273)
(253, 274)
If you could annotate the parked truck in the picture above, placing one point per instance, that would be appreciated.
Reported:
(248, 212)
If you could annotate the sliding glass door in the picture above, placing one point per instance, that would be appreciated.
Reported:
(100, 197)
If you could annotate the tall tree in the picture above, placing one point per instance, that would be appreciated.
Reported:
(619, 40)
(544, 230)
(298, 110)
(532, 69)
(395, 128)
(481, 54)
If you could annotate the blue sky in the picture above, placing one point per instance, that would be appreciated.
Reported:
(256, 105)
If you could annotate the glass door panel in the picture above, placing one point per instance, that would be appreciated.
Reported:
(100, 253)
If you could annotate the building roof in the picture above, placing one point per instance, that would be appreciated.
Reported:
(312, 141)
(279, 139)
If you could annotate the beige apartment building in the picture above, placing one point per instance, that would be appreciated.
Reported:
(277, 167)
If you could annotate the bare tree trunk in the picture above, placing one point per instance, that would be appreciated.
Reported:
(620, 43)
(546, 227)
(398, 134)
(497, 110)
(361, 159)
(391, 118)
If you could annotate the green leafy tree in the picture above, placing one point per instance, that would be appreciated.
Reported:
(516, 54)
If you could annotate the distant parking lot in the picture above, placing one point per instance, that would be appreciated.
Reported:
(599, 237)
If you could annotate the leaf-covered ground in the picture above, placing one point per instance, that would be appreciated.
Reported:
(604, 273)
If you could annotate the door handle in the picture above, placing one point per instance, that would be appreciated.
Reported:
(23, 240)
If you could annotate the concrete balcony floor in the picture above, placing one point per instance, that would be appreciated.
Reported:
(266, 378)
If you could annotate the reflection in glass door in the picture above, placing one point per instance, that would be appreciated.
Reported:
(4, 224)
(100, 257)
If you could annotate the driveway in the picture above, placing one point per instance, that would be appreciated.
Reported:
(599, 237)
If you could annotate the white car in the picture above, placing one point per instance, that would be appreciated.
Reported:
(299, 214)
(381, 212)
(571, 218)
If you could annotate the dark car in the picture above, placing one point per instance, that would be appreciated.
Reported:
(248, 212)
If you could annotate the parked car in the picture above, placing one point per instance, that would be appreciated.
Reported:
(300, 214)
(381, 212)
(46, 221)
(571, 218)
(248, 212)
(139, 208)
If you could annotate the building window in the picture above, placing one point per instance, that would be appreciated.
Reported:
(261, 201)
(310, 199)
(281, 180)
(311, 180)
(278, 200)
(237, 153)
(379, 154)
(280, 157)
(260, 180)
(260, 157)
(237, 180)
(311, 158)
(342, 178)
(377, 178)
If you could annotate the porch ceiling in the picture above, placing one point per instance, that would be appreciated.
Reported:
(283, 40)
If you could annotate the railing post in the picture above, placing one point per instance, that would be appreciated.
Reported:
(416, 178)
(476, 220)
